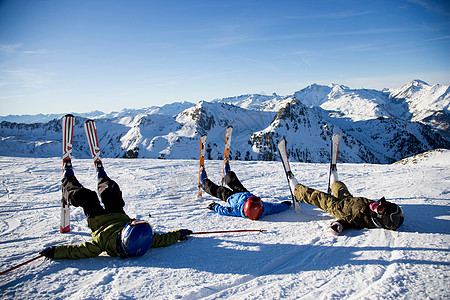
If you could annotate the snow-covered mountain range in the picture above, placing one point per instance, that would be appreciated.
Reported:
(376, 126)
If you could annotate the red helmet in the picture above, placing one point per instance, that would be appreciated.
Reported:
(253, 208)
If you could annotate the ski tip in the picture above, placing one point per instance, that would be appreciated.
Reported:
(64, 229)
(69, 116)
(281, 144)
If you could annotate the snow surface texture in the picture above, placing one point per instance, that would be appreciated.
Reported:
(297, 258)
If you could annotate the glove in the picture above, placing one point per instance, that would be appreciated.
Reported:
(48, 252)
(289, 203)
(211, 206)
(184, 234)
(336, 228)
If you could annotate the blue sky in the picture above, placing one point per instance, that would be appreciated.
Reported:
(78, 56)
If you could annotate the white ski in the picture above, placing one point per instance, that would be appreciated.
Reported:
(94, 146)
(226, 152)
(202, 163)
(287, 170)
(334, 156)
(68, 122)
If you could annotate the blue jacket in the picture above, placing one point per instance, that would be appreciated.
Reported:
(236, 204)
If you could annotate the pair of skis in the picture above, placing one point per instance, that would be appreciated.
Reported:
(287, 168)
(68, 124)
(226, 156)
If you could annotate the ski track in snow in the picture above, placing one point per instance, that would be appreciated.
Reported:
(297, 258)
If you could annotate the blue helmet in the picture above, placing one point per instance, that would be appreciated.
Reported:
(136, 238)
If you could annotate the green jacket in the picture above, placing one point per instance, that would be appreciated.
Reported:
(105, 232)
(350, 211)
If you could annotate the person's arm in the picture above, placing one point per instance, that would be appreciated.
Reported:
(85, 250)
(225, 210)
(170, 238)
(274, 208)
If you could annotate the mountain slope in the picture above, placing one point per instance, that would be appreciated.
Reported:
(309, 131)
(427, 104)
(375, 127)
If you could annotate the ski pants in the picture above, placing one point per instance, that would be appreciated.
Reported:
(109, 192)
(322, 200)
(223, 192)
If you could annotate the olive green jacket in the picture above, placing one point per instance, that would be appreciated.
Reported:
(105, 232)
(351, 212)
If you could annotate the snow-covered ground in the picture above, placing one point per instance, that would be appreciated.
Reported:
(297, 258)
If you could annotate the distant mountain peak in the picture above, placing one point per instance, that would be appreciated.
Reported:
(409, 89)
(338, 89)
(418, 82)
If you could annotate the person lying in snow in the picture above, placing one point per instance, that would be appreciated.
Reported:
(241, 203)
(112, 230)
(351, 212)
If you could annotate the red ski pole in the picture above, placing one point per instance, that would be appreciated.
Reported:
(227, 231)
(22, 264)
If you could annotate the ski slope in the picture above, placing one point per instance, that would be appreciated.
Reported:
(297, 258)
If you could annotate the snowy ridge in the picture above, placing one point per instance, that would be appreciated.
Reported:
(428, 104)
(171, 109)
(376, 127)
(438, 157)
(254, 101)
(415, 100)
(44, 118)
(423, 99)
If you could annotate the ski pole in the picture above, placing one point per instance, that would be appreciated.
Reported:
(227, 231)
(22, 264)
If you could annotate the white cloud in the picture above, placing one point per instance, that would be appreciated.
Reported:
(333, 15)
(10, 48)
(16, 49)
(436, 7)
(26, 78)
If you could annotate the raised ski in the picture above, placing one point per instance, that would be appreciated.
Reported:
(226, 152)
(68, 122)
(287, 169)
(202, 163)
(334, 156)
